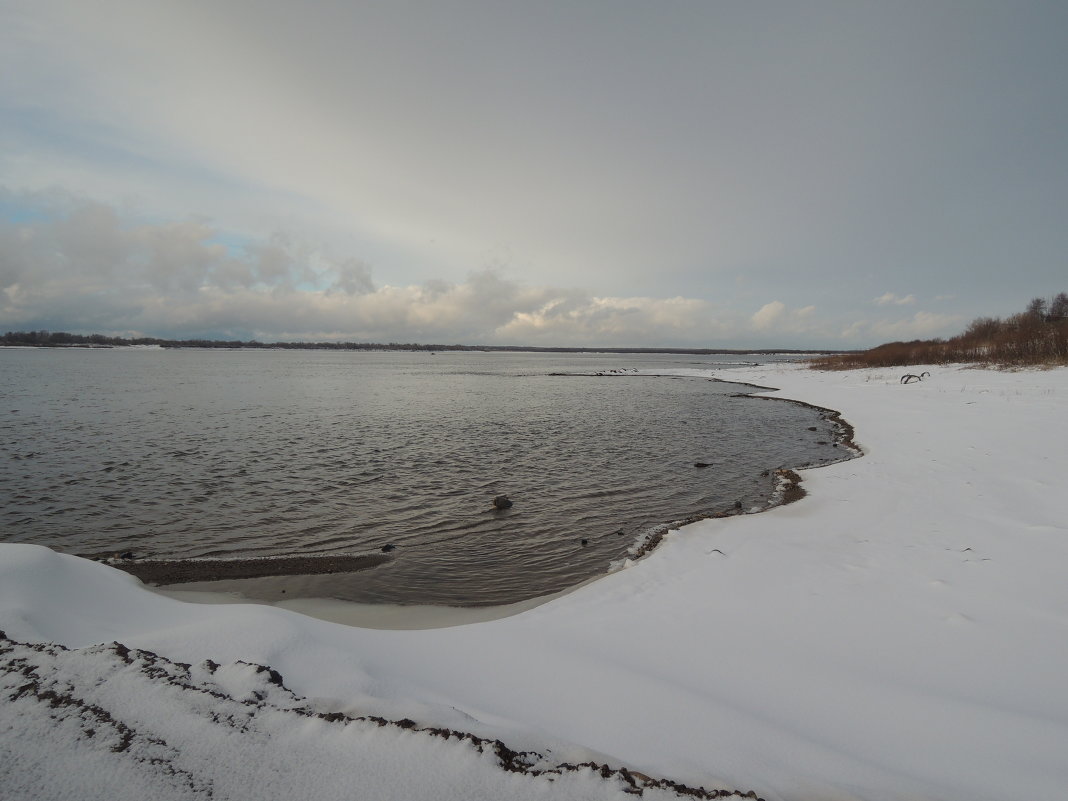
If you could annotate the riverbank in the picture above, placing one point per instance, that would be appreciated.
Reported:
(186, 571)
(899, 633)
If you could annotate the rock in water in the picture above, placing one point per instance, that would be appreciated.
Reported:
(502, 502)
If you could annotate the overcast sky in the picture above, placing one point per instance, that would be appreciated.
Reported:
(735, 174)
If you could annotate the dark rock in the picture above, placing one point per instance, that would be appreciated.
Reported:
(389, 546)
(702, 464)
(584, 542)
(126, 555)
(502, 502)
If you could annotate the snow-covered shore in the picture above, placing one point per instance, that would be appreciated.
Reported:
(900, 633)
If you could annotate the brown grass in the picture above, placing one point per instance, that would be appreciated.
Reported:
(1038, 336)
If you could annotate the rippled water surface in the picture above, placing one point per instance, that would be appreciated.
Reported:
(190, 453)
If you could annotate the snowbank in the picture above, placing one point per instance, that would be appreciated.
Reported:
(901, 632)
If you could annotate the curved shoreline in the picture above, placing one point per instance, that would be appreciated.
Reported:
(788, 489)
(846, 432)
(166, 574)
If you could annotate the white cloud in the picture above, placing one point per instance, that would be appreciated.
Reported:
(768, 314)
(78, 265)
(85, 270)
(921, 325)
(777, 319)
(576, 318)
(890, 299)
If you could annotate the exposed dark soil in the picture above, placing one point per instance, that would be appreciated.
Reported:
(182, 571)
(36, 674)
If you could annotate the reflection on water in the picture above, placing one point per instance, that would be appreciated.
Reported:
(226, 453)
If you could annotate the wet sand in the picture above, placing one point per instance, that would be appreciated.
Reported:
(303, 584)
(371, 616)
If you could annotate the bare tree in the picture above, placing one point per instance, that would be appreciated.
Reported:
(1036, 309)
(1058, 307)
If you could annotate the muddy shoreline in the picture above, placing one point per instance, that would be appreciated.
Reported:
(164, 572)
(183, 571)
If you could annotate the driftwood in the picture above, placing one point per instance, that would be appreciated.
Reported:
(909, 378)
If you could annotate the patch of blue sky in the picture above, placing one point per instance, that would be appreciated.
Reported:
(14, 210)
(316, 274)
(108, 148)
(237, 245)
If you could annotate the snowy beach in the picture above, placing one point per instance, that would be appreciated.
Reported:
(899, 633)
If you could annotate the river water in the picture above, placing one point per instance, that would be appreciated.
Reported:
(203, 453)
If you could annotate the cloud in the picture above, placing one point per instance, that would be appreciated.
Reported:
(890, 299)
(391, 125)
(82, 268)
(768, 314)
(353, 278)
(79, 265)
(921, 325)
(777, 318)
(573, 317)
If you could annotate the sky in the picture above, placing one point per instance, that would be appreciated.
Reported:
(583, 173)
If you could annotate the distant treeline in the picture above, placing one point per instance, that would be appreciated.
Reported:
(1038, 335)
(61, 339)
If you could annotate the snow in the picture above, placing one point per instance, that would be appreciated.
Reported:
(899, 633)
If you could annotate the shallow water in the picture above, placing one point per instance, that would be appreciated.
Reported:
(191, 453)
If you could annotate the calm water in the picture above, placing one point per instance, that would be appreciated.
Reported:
(189, 453)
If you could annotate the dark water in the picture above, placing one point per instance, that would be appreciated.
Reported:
(235, 453)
